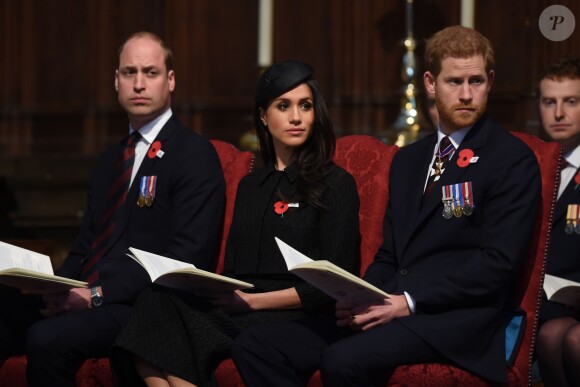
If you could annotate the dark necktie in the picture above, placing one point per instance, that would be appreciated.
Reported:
(439, 164)
(115, 198)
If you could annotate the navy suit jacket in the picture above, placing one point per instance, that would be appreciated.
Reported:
(184, 221)
(563, 254)
(459, 270)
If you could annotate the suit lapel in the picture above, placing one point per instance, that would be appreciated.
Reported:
(164, 137)
(415, 184)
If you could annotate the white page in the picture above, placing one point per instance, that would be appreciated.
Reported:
(156, 265)
(292, 256)
(13, 256)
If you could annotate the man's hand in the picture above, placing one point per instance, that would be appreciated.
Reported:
(363, 317)
(58, 303)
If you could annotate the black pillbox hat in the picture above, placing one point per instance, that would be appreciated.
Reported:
(280, 78)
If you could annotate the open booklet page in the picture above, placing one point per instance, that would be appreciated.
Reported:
(13, 256)
(182, 275)
(562, 290)
(329, 278)
(31, 272)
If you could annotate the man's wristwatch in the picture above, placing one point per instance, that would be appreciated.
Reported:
(96, 298)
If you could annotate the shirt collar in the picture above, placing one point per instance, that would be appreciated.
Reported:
(573, 157)
(291, 173)
(456, 137)
(150, 130)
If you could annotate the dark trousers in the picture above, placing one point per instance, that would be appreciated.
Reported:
(56, 347)
(287, 354)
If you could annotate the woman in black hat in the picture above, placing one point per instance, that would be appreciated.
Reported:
(301, 197)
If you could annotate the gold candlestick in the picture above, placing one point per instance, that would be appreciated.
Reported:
(406, 128)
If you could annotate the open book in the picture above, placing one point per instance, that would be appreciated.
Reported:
(31, 272)
(329, 278)
(562, 290)
(182, 275)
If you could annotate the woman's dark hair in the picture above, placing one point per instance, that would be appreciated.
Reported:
(313, 159)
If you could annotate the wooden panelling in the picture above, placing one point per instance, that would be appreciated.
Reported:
(58, 57)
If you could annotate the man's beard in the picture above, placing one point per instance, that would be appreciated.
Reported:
(455, 121)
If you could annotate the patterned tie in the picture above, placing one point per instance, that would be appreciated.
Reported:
(443, 151)
(115, 199)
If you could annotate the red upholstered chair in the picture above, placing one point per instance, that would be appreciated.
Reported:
(235, 164)
(368, 160)
(527, 295)
(96, 372)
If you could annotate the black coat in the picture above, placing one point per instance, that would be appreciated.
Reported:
(459, 270)
(563, 254)
(183, 223)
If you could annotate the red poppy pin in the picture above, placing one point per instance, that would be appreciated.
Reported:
(280, 207)
(465, 157)
(577, 179)
(155, 150)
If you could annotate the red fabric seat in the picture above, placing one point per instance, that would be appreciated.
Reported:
(96, 372)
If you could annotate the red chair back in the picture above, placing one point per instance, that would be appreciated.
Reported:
(368, 160)
(235, 164)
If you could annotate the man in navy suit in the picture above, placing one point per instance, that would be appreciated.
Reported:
(459, 221)
(173, 206)
(558, 347)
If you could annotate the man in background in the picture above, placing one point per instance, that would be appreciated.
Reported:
(558, 348)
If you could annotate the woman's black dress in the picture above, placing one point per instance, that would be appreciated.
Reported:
(188, 337)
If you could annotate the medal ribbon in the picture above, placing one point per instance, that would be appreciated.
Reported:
(466, 188)
(151, 186)
(448, 149)
(446, 191)
(143, 186)
(457, 197)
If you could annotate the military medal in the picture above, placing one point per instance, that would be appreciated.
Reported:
(151, 185)
(457, 207)
(446, 197)
(438, 166)
(441, 154)
(467, 198)
(571, 219)
(147, 191)
(576, 218)
(142, 190)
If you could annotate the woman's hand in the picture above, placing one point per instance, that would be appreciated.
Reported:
(240, 302)
(365, 316)
(231, 302)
